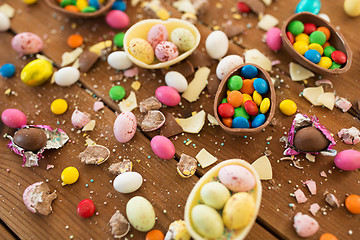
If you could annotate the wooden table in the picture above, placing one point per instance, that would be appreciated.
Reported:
(163, 187)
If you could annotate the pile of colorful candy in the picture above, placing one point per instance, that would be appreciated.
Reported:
(313, 43)
(240, 109)
(85, 6)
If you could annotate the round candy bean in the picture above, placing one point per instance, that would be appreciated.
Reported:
(235, 83)
(227, 122)
(81, 4)
(246, 98)
(248, 87)
(88, 9)
(257, 98)
(162, 147)
(312, 6)
(29, 2)
(313, 56)
(166, 51)
(71, 8)
(264, 105)
(243, 7)
(335, 65)
(58, 106)
(119, 60)
(328, 51)
(325, 62)
(251, 108)
(86, 208)
(316, 47)
(27, 43)
(352, 203)
(328, 236)
(273, 40)
(36, 72)
(290, 36)
(117, 93)
(226, 110)
(326, 44)
(119, 39)
(240, 122)
(258, 121)
(69, 175)
(154, 234)
(75, 40)
(288, 107)
(167, 95)
(326, 31)
(241, 112)
(117, 19)
(302, 37)
(224, 100)
(67, 76)
(7, 70)
(317, 37)
(301, 47)
(235, 98)
(176, 80)
(261, 86)
(119, 5)
(296, 27)
(249, 71)
(348, 160)
(309, 28)
(94, 3)
(338, 57)
(13, 118)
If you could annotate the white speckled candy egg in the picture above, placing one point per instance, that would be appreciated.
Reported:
(157, 34)
(227, 64)
(4, 22)
(125, 127)
(183, 39)
(119, 60)
(140, 213)
(239, 210)
(237, 178)
(207, 221)
(176, 80)
(214, 194)
(128, 182)
(217, 44)
(67, 76)
(27, 43)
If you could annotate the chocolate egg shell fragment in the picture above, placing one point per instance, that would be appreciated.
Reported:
(310, 139)
(37, 198)
(153, 120)
(94, 154)
(186, 166)
(86, 60)
(31, 139)
(119, 225)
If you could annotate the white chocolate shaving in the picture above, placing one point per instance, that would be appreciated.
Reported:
(197, 85)
(70, 57)
(267, 2)
(129, 104)
(299, 73)
(193, 124)
(184, 6)
(327, 99)
(98, 47)
(89, 126)
(205, 158)
(263, 167)
(212, 120)
(267, 21)
(312, 94)
(39, 56)
(7, 10)
(256, 57)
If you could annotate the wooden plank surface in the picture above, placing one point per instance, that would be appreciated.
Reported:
(5, 233)
(275, 213)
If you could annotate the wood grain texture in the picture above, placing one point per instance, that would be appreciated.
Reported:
(5, 234)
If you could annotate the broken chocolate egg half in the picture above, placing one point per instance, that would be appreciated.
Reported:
(37, 198)
(141, 29)
(95, 154)
(194, 200)
(153, 120)
(30, 139)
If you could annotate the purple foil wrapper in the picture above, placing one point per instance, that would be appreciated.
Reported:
(300, 121)
(56, 138)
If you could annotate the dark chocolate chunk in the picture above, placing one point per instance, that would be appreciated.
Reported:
(310, 139)
(232, 30)
(213, 84)
(86, 60)
(170, 127)
(31, 139)
(151, 103)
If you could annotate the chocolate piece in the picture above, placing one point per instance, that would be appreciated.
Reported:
(121, 167)
(232, 30)
(86, 60)
(186, 166)
(80, 119)
(152, 121)
(257, 6)
(310, 139)
(119, 225)
(151, 103)
(94, 154)
(213, 84)
(37, 198)
(185, 68)
(31, 139)
(170, 127)
(332, 200)
(200, 59)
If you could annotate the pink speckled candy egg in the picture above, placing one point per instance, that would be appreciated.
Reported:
(166, 51)
(167, 95)
(27, 43)
(348, 160)
(305, 225)
(162, 147)
(157, 34)
(237, 178)
(273, 39)
(117, 19)
(125, 127)
(13, 118)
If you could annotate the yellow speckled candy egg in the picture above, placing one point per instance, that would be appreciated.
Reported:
(207, 221)
(141, 50)
(36, 72)
(140, 213)
(238, 210)
(214, 194)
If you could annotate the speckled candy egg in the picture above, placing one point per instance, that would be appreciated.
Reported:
(273, 39)
(162, 147)
(125, 127)
(4, 22)
(166, 51)
(13, 118)
(238, 210)
(27, 43)
(217, 44)
(183, 39)
(237, 178)
(214, 194)
(141, 50)
(67, 76)
(207, 221)
(140, 213)
(157, 34)
(227, 64)
(128, 182)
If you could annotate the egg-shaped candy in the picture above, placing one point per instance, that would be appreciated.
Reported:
(214, 194)
(36, 72)
(119, 60)
(237, 178)
(167, 95)
(27, 43)
(183, 39)
(162, 147)
(227, 64)
(217, 44)
(166, 51)
(352, 7)
(125, 127)
(128, 182)
(273, 39)
(140, 213)
(117, 19)
(305, 225)
(207, 221)
(4, 22)
(67, 76)
(31, 139)
(239, 210)
(176, 80)
(157, 34)
(13, 118)
(141, 50)
(310, 139)
(348, 160)
(312, 6)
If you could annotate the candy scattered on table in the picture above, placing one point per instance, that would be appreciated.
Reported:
(13, 118)
(86, 208)
(352, 203)
(125, 127)
(37, 198)
(59, 106)
(69, 176)
(140, 213)
(7, 70)
(128, 182)
(37, 72)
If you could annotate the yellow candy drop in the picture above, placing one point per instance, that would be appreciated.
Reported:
(317, 47)
(69, 175)
(352, 7)
(325, 62)
(257, 98)
(265, 105)
(302, 37)
(29, 2)
(59, 106)
(246, 98)
(301, 47)
(36, 72)
(81, 4)
(288, 107)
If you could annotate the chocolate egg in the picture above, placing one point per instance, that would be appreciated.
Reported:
(30, 139)
(310, 139)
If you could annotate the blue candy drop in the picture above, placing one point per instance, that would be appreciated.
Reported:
(312, 6)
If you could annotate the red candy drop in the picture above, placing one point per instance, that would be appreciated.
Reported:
(243, 7)
(309, 28)
(251, 108)
(226, 110)
(339, 57)
(86, 208)
(290, 37)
